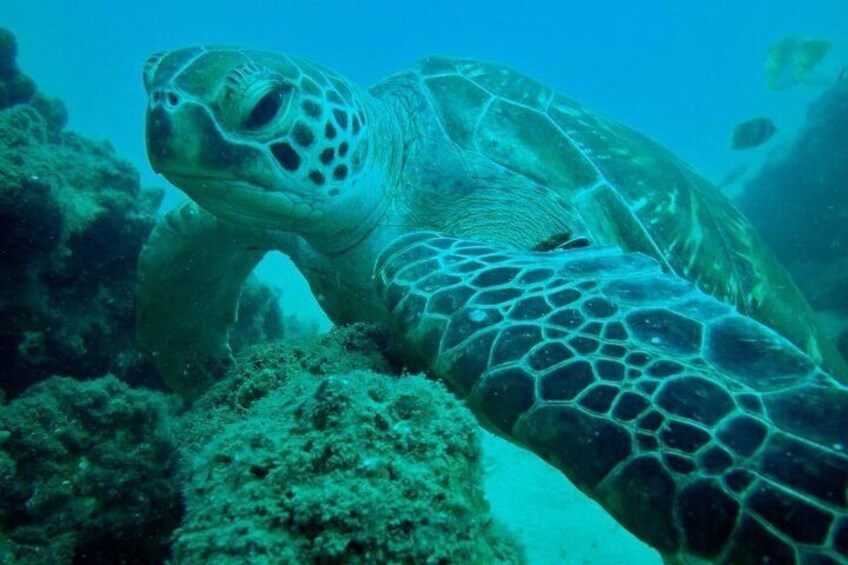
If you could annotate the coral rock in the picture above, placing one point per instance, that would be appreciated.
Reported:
(296, 458)
(88, 469)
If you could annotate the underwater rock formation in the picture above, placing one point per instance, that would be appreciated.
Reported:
(260, 318)
(15, 86)
(799, 204)
(306, 454)
(88, 474)
(74, 221)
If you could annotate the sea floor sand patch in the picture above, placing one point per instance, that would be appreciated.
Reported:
(554, 521)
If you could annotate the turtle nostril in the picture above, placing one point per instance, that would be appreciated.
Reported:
(167, 97)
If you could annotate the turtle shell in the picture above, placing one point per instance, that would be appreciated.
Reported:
(621, 187)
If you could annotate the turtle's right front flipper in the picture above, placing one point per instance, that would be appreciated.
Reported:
(703, 432)
(191, 272)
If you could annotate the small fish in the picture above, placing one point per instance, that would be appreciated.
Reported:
(752, 133)
(794, 61)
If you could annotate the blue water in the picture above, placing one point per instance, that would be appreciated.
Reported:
(682, 72)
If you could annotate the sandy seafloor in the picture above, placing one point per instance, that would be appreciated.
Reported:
(554, 521)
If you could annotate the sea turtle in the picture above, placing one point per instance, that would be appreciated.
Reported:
(594, 298)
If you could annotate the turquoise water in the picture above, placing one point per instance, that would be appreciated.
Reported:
(683, 73)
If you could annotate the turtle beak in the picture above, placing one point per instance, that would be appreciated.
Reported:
(184, 142)
(160, 133)
(164, 103)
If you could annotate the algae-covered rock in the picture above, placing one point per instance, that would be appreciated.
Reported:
(88, 473)
(296, 458)
(260, 319)
(15, 86)
(260, 371)
(74, 219)
(799, 202)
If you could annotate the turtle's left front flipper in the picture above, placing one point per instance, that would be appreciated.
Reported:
(191, 273)
(703, 432)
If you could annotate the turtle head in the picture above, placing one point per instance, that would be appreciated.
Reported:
(263, 139)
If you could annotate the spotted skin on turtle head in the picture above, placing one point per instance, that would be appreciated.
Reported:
(704, 433)
(283, 125)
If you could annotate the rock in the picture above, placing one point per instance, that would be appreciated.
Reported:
(260, 318)
(799, 202)
(15, 87)
(74, 223)
(799, 199)
(54, 113)
(74, 220)
(88, 471)
(298, 458)
(8, 50)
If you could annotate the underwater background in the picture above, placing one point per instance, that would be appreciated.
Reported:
(682, 73)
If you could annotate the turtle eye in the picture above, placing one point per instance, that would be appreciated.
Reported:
(266, 108)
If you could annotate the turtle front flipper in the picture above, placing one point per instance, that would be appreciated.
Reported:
(191, 272)
(706, 434)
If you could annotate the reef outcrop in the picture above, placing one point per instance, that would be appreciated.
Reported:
(15, 86)
(74, 220)
(88, 474)
(313, 454)
(799, 203)
(306, 453)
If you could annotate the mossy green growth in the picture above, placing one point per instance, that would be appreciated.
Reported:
(74, 221)
(86, 468)
(15, 86)
(296, 458)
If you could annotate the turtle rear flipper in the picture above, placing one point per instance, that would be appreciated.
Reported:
(705, 433)
(191, 272)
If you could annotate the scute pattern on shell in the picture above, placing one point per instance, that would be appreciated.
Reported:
(629, 190)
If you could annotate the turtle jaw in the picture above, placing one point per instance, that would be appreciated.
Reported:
(242, 202)
(328, 223)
